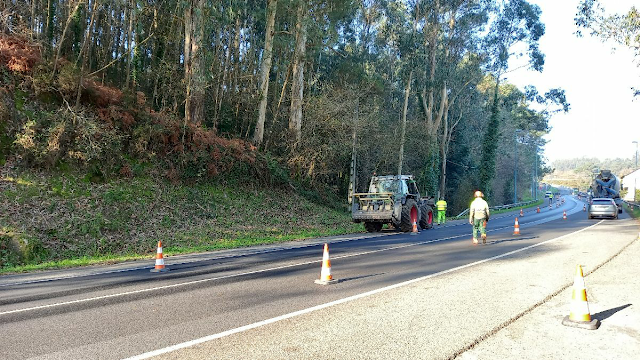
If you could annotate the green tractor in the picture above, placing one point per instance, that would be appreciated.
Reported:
(394, 200)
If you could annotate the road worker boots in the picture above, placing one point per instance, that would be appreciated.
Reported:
(484, 238)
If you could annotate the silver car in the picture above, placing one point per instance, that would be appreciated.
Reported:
(602, 207)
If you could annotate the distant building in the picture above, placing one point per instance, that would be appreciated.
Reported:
(631, 182)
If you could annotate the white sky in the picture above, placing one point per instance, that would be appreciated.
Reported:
(604, 118)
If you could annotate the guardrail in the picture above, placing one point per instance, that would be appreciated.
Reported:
(632, 204)
(502, 207)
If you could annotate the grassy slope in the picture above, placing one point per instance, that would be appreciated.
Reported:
(63, 220)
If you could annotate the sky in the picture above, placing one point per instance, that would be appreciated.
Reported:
(604, 118)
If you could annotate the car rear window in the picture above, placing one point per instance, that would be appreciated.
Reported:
(603, 202)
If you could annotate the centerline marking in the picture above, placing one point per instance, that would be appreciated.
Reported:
(339, 301)
(188, 283)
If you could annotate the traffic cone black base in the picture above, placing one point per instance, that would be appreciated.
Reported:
(580, 316)
(589, 325)
(326, 282)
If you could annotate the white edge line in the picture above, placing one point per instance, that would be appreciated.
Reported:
(339, 239)
(250, 272)
(217, 278)
(336, 302)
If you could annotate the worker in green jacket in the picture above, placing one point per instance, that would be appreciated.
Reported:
(441, 205)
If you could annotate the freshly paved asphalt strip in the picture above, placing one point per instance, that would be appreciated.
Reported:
(502, 308)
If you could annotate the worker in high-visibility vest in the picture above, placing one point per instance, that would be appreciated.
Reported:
(478, 216)
(441, 205)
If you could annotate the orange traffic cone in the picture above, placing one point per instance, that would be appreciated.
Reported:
(521, 212)
(414, 230)
(159, 260)
(580, 315)
(325, 273)
(414, 221)
(516, 228)
(538, 209)
(564, 215)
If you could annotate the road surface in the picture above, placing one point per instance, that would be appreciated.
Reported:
(433, 295)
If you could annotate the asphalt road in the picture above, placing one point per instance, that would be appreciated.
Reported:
(124, 310)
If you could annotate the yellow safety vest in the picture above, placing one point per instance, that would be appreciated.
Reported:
(441, 205)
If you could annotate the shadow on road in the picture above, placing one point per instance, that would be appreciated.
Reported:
(359, 277)
(607, 313)
(489, 242)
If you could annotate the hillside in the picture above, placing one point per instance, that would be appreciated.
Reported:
(51, 220)
(578, 172)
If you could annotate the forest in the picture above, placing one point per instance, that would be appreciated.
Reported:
(278, 93)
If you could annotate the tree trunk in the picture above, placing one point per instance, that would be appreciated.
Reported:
(297, 83)
(129, 41)
(64, 33)
(193, 72)
(236, 55)
(49, 25)
(407, 91)
(265, 69)
(34, 28)
(84, 51)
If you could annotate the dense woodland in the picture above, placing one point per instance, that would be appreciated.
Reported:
(278, 92)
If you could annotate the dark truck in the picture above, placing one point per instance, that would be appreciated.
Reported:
(394, 200)
(606, 185)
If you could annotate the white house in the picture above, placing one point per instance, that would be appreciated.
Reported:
(631, 182)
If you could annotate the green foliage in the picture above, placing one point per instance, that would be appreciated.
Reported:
(356, 65)
(489, 147)
(623, 29)
(71, 137)
(81, 220)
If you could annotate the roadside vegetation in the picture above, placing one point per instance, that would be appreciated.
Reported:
(51, 221)
(634, 211)
(213, 125)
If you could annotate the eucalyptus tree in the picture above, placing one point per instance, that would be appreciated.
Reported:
(623, 29)
(265, 69)
(194, 61)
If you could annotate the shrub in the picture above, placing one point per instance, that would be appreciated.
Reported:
(69, 137)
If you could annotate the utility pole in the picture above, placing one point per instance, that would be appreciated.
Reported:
(515, 168)
(535, 174)
(635, 179)
(352, 177)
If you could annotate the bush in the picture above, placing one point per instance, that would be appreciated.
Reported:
(69, 137)
(10, 254)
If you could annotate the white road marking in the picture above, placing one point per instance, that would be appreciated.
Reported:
(217, 278)
(263, 251)
(151, 266)
(134, 292)
(337, 302)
